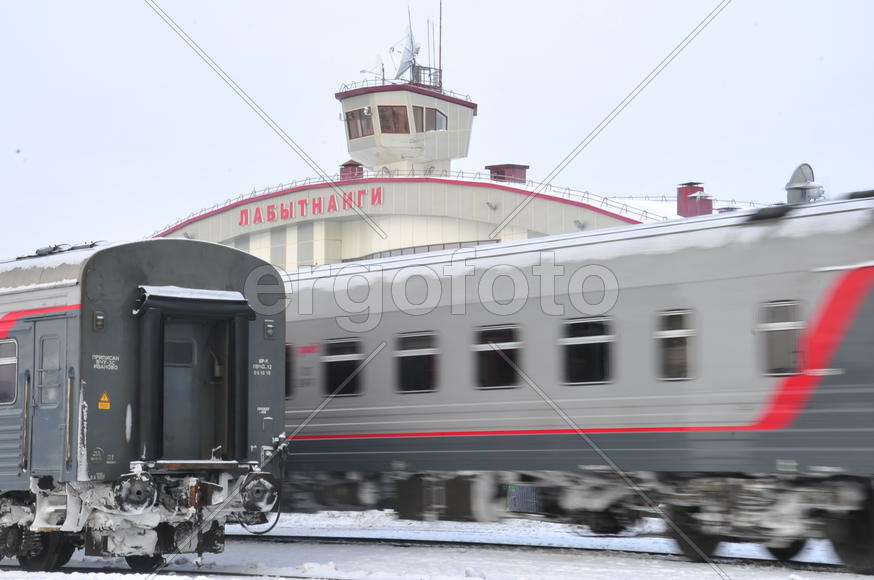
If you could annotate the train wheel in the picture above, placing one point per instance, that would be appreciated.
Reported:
(604, 523)
(786, 553)
(852, 537)
(145, 564)
(44, 556)
(65, 552)
(697, 546)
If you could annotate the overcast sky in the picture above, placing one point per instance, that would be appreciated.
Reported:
(111, 127)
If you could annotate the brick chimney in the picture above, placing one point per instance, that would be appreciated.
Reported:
(509, 172)
(692, 201)
(351, 170)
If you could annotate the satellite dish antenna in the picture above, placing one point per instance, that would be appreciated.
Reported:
(410, 48)
(801, 187)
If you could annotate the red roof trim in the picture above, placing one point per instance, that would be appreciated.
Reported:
(411, 88)
(819, 345)
(8, 320)
(342, 183)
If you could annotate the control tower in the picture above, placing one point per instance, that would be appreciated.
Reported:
(409, 125)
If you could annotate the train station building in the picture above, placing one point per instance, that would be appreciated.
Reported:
(398, 194)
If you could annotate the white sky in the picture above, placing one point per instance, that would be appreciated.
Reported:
(111, 127)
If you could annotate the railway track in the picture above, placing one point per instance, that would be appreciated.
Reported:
(213, 569)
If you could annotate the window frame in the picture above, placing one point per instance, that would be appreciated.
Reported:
(763, 328)
(14, 362)
(324, 359)
(419, 118)
(487, 347)
(394, 111)
(413, 352)
(432, 114)
(689, 332)
(565, 341)
(363, 120)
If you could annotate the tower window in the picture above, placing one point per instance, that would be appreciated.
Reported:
(393, 119)
(359, 123)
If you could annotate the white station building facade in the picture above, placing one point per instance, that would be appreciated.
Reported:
(398, 194)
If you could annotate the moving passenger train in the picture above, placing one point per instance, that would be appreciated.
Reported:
(716, 370)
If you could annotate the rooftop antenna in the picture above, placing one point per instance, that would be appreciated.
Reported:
(408, 57)
(440, 41)
(802, 187)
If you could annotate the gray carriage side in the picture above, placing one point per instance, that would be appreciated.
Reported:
(80, 352)
(39, 314)
(722, 269)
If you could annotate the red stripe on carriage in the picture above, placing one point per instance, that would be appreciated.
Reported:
(819, 345)
(8, 320)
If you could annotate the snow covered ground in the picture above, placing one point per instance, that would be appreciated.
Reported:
(247, 557)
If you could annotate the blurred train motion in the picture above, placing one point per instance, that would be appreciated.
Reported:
(721, 367)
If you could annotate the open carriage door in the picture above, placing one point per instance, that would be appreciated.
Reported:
(194, 356)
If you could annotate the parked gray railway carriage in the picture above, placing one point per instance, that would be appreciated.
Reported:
(139, 392)
(728, 369)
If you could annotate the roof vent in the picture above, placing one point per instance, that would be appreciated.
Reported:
(508, 172)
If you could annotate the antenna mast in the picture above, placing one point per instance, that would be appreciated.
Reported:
(440, 42)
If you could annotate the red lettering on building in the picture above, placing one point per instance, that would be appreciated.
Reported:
(317, 205)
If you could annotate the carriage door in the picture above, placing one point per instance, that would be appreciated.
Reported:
(194, 382)
(46, 399)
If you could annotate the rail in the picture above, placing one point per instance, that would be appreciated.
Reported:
(623, 205)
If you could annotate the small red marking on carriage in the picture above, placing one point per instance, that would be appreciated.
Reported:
(311, 348)
(819, 345)
(8, 320)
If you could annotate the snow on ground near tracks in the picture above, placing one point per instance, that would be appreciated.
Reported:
(244, 555)
(523, 532)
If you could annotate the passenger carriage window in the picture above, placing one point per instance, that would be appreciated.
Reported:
(340, 365)
(673, 339)
(49, 371)
(416, 356)
(493, 370)
(289, 370)
(780, 325)
(8, 371)
(587, 345)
